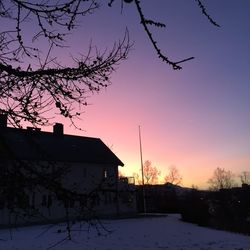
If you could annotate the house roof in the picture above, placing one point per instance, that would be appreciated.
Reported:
(33, 144)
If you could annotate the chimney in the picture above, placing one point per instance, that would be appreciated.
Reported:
(3, 120)
(58, 129)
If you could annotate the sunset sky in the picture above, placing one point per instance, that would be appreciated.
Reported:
(197, 118)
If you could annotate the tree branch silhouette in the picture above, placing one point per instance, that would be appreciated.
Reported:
(145, 22)
(204, 12)
(32, 87)
(30, 93)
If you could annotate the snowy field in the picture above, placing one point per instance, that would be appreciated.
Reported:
(149, 233)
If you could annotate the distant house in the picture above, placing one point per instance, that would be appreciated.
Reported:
(89, 168)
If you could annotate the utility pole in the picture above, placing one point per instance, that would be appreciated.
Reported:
(142, 174)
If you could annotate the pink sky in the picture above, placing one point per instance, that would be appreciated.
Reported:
(196, 119)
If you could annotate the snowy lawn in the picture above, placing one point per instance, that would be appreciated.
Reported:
(141, 233)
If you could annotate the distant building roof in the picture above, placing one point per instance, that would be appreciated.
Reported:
(33, 144)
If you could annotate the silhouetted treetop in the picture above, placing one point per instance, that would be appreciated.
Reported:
(33, 85)
(221, 179)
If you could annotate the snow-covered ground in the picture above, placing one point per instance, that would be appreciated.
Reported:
(140, 233)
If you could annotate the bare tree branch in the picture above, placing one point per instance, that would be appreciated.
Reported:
(204, 12)
(173, 176)
(151, 173)
(221, 179)
(145, 22)
(29, 92)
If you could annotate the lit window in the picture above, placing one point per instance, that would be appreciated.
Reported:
(105, 173)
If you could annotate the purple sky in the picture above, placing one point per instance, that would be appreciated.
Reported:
(197, 118)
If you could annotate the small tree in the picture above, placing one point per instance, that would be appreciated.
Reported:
(173, 176)
(151, 173)
(194, 187)
(245, 177)
(221, 179)
(137, 178)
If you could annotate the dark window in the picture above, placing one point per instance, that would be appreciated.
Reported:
(33, 200)
(84, 172)
(108, 198)
(49, 204)
(44, 200)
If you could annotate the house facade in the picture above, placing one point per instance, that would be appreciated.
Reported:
(50, 176)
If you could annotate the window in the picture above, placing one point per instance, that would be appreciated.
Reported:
(44, 200)
(108, 199)
(33, 200)
(105, 174)
(49, 203)
(84, 172)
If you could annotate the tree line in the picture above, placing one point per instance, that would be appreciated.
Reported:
(152, 175)
(226, 179)
(220, 179)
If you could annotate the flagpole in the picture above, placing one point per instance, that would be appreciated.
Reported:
(142, 173)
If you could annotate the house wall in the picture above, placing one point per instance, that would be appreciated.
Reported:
(88, 176)
(114, 198)
(104, 195)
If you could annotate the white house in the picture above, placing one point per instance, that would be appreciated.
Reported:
(68, 166)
